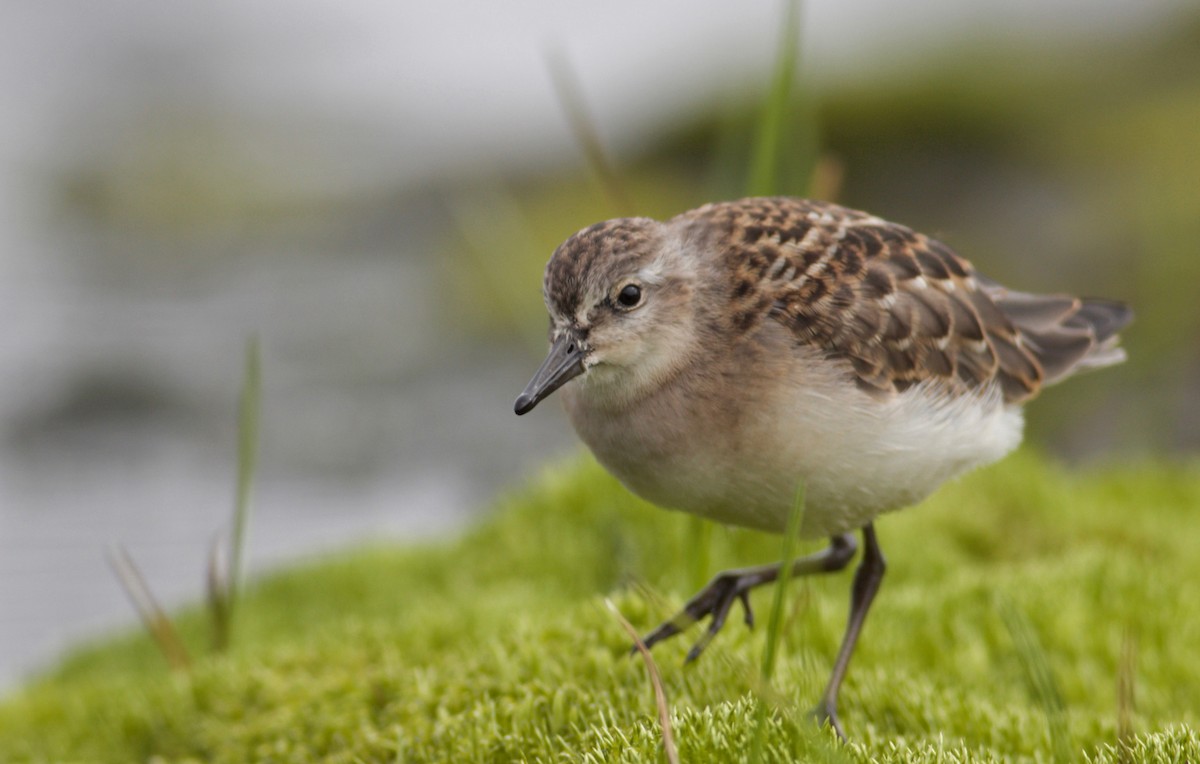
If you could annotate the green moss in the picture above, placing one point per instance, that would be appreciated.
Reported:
(497, 647)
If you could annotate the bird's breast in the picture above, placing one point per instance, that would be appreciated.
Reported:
(735, 448)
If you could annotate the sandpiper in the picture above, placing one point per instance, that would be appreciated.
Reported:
(717, 360)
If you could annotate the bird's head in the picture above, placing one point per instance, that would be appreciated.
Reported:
(620, 297)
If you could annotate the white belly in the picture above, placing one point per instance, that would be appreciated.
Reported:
(857, 456)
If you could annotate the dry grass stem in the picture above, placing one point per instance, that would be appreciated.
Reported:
(660, 695)
(152, 615)
(570, 97)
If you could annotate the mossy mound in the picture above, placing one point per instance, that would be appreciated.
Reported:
(1016, 602)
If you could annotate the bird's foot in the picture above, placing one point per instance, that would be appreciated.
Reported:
(714, 600)
(825, 714)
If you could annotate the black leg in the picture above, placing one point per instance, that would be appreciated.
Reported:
(718, 597)
(866, 583)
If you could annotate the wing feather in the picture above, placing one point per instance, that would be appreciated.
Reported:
(900, 307)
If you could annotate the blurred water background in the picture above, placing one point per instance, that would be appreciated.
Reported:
(373, 188)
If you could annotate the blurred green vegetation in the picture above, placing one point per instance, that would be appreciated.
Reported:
(497, 647)
(1066, 168)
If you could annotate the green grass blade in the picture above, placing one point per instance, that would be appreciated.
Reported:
(699, 552)
(1126, 694)
(775, 621)
(248, 421)
(1039, 676)
(768, 144)
(216, 594)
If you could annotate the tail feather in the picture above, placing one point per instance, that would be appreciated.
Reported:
(1104, 317)
(1066, 334)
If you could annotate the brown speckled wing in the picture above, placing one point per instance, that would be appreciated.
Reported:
(901, 307)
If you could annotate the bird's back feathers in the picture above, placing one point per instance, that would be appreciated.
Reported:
(902, 308)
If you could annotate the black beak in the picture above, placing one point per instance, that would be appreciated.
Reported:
(562, 364)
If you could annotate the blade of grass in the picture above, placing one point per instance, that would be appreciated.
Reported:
(247, 461)
(1126, 692)
(1039, 676)
(828, 175)
(583, 127)
(489, 214)
(729, 155)
(660, 695)
(217, 594)
(790, 536)
(775, 620)
(699, 551)
(153, 617)
(765, 159)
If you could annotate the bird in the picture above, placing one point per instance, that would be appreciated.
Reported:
(717, 361)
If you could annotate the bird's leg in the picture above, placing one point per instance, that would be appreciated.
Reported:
(866, 583)
(718, 597)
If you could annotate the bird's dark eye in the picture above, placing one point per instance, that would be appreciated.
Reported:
(631, 295)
